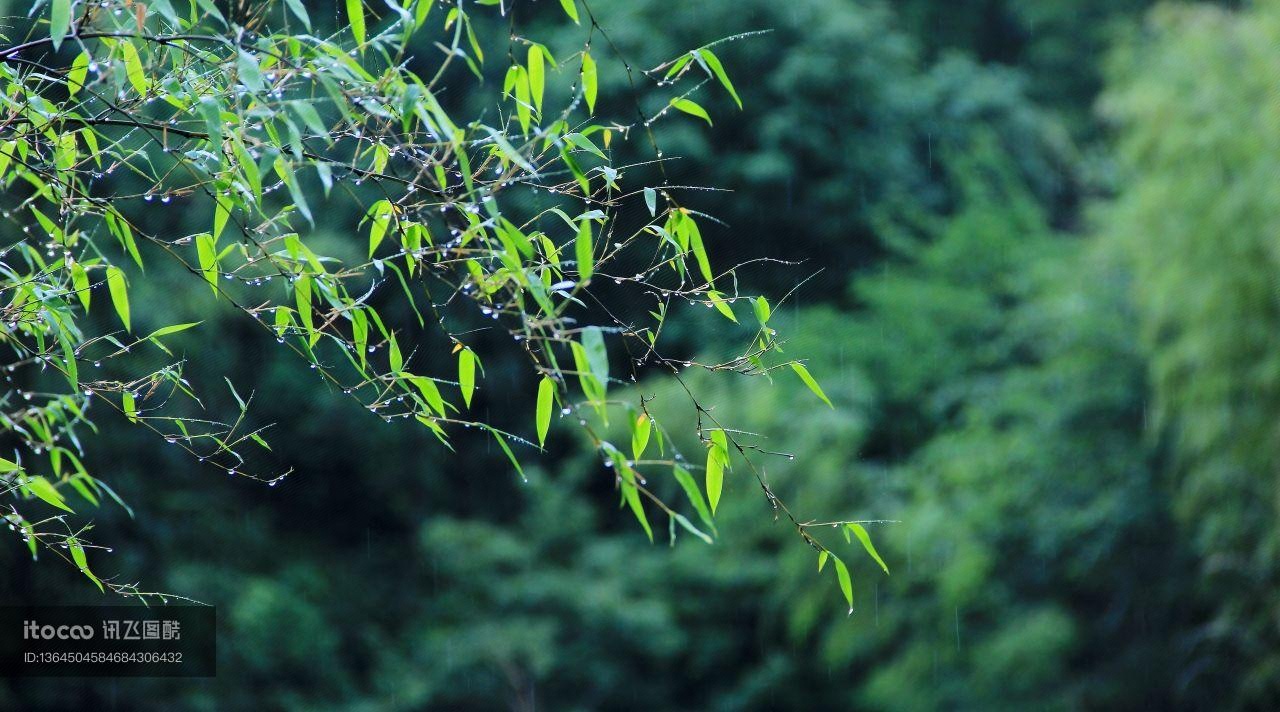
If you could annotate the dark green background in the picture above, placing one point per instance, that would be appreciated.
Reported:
(1047, 313)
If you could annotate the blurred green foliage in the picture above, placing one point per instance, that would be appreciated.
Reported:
(1068, 407)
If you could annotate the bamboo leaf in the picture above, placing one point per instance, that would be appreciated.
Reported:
(692, 108)
(694, 495)
(59, 21)
(133, 67)
(355, 15)
(79, 71)
(129, 405)
(119, 290)
(717, 459)
(299, 9)
(571, 9)
(584, 252)
(467, 374)
(712, 63)
(537, 75)
(809, 381)
(861, 532)
(40, 487)
(589, 81)
(846, 585)
(546, 397)
(82, 561)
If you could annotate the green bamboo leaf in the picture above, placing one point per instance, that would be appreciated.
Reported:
(79, 71)
(506, 449)
(211, 112)
(82, 561)
(688, 526)
(250, 73)
(394, 358)
(430, 393)
(537, 75)
(584, 251)
(822, 559)
(129, 405)
(355, 15)
(717, 459)
(380, 214)
(571, 9)
(861, 532)
(692, 108)
(299, 9)
(651, 201)
(694, 495)
(641, 429)
(166, 330)
(69, 357)
(133, 67)
(546, 397)
(809, 381)
(699, 250)
(207, 254)
(302, 299)
(761, 307)
(119, 289)
(846, 586)
(80, 282)
(40, 487)
(631, 492)
(717, 300)
(597, 354)
(712, 63)
(59, 21)
(589, 81)
(467, 374)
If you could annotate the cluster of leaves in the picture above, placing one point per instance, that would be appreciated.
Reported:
(241, 116)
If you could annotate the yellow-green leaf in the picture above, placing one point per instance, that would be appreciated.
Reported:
(641, 429)
(713, 65)
(717, 459)
(546, 398)
(82, 561)
(80, 282)
(570, 9)
(207, 253)
(119, 289)
(809, 381)
(861, 532)
(692, 108)
(42, 488)
(699, 250)
(717, 300)
(355, 15)
(589, 86)
(467, 374)
(537, 75)
(694, 495)
(585, 252)
(846, 586)
(130, 406)
(76, 76)
(133, 67)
